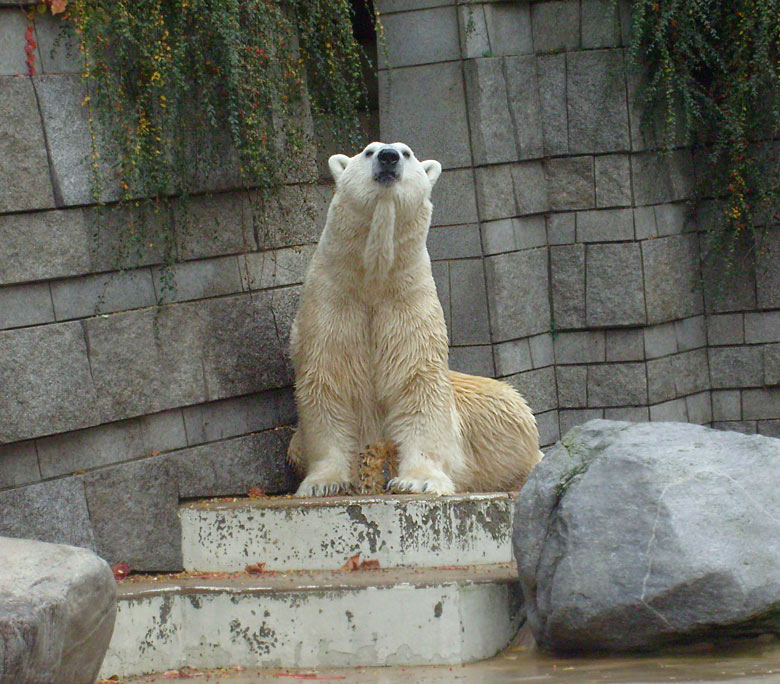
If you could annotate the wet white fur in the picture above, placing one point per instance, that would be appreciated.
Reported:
(369, 347)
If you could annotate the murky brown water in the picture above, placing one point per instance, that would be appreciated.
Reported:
(750, 662)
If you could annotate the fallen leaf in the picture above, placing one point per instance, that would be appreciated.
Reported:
(307, 675)
(181, 674)
(255, 568)
(58, 6)
(120, 570)
(353, 563)
(256, 493)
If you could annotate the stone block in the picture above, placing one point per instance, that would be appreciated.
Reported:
(580, 347)
(549, 428)
(441, 277)
(200, 279)
(672, 278)
(537, 388)
(469, 313)
(23, 305)
(58, 47)
(491, 124)
(733, 367)
(495, 191)
(454, 198)
(261, 270)
(633, 414)
(48, 244)
(761, 404)
(770, 428)
(551, 77)
(513, 357)
(660, 178)
(517, 286)
(25, 182)
(289, 216)
(617, 384)
(570, 183)
(572, 384)
(54, 511)
(567, 268)
(675, 411)
(771, 364)
(605, 225)
(644, 223)
(542, 353)
(601, 26)
(232, 466)
(112, 443)
(390, 6)
(613, 180)
(660, 340)
(561, 228)
(522, 89)
(574, 417)
(598, 111)
(13, 25)
(18, 464)
(729, 280)
(671, 219)
(214, 225)
(57, 611)
(476, 360)
(475, 40)
(614, 293)
(530, 188)
(726, 329)
(691, 372)
(762, 327)
(134, 508)
(625, 345)
(556, 25)
(699, 408)
(509, 28)
(660, 380)
(69, 141)
(510, 235)
(440, 129)
(726, 405)
(38, 398)
(767, 268)
(423, 37)
(454, 242)
(691, 333)
(746, 427)
(105, 293)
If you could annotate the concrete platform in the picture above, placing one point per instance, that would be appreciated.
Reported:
(321, 533)
(315, 619)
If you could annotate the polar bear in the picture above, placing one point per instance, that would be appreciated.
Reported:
(370, 351)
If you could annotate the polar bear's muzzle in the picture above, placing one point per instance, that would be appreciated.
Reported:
(387, 166)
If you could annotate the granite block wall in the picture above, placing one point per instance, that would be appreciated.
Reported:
(563, 251)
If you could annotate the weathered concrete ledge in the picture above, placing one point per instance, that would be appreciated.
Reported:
(396, 530)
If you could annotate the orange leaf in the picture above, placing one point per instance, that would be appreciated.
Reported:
(58, 6)
(351, 564)
(255, 568)
(120, 570)
(256, 493)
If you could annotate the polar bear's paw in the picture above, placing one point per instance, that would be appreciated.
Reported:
(323, 486)
(436, 483)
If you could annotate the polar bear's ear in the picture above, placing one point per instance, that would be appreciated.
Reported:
(432, 169)
(337, 164)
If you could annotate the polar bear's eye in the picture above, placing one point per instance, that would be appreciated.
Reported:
(406, 154)
(369, 152)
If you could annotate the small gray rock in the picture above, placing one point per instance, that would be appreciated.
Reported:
(57, 610)
(636, 536)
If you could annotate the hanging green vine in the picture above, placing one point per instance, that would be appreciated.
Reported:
(182, 90)
(712, 78)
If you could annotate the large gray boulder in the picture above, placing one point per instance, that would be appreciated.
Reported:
(635, 536)
(57, 610)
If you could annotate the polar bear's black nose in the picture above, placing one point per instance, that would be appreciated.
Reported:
(388, 156)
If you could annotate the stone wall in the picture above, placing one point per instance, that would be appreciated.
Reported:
(564, 249)
(562, 252)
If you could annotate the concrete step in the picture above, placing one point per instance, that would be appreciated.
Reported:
(321, 533)
(408, 616)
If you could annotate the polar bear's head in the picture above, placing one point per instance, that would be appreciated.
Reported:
(383, 171)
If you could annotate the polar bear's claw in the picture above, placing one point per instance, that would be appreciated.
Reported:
(315, 489)
(436, 485)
